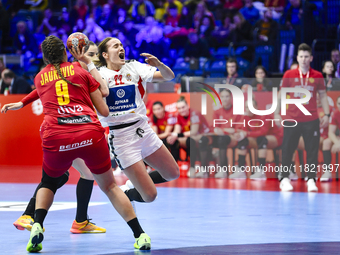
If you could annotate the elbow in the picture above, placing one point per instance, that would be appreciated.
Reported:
(172, 76)
(105, 93)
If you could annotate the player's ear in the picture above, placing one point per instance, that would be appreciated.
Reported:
(105, 55)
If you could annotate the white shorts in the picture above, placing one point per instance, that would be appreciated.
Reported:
(129, 147)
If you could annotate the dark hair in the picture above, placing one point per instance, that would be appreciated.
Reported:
(102, 47)
(53, 53)
(182, 99)
(323, 66)
(334, 50)
(153, 115)
(262, 68)
(305, 47)
(9, 74)
(172, 6)
(294, 63)
(233, 60)
(89, 45)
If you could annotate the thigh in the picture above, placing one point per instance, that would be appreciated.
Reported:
(182, 142)
(81, 167)
(252, 142)
(272, 142)
(163, 161)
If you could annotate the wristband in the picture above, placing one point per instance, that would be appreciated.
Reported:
(180, 135)
(91, 66)
(328, 115)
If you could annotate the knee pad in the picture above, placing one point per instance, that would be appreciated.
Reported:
(203, 143)
(63, 179)
(242, 145)
(262, 142)
(223, 141)
(50, 182)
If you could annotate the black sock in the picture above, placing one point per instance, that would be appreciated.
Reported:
(262, 162)
(39, 216)
(84, 191)
(135, 227)
(327, 157)
(223, 157)
(174, 148)
(241, 160)
(156, 177)
(30, 208)
(134, 195)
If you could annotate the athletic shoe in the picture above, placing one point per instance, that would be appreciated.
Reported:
(117, 171)
(285, 185)
(221, 174)
(238, 174)
(143, 242)
(327, 176)
(191, 173)
(311, 186)
(258, 175)
(85, 227)
(24, 222)
(149, 169)
(202, 173)
(36, 237)
(293, 176)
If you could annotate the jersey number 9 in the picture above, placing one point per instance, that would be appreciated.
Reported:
(62, 92)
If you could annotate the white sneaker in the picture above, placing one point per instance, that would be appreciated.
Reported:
(293, 176)
(258, 175)
(238, 174)
(285, 185)
(149, 169)
(221, 175)
(311, 186)
(191, 172)
(327, 176)
(128, 185)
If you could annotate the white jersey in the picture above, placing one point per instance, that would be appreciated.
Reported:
(127, 88)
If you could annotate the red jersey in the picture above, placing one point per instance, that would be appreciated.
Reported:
(67, 108)
(149, 112)
(256, 130)
(335, 118)
(321, 113)
(184, 122)
(168, 120)
(226, 114)
(274, 3)
(312, 81)
(198, 118)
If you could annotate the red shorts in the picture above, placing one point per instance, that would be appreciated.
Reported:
(91, 146)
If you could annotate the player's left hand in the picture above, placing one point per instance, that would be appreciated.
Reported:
(151, 60)
(335, 148)
(12, 106)
(324, 122)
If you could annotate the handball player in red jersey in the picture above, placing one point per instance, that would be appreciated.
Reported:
(162, 122)
(77, 133)
(308, 126)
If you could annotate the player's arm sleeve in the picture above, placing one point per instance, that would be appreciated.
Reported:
(93, 83)
(145, 71)
(285, 81)
(320, 83)
(31, 97)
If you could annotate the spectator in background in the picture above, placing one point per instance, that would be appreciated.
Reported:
(232, 75)
(294, 65)
(120, 18)
(277, 6)
(261, 82)
(249, 12)
(201, 12)
(105, 21)
(24, 42)
(129, 31)
(205, 29)
(49, 23)
(172, 16)
(64, 24)
(335, 56)
(266, 28)
(141, 9)
(93, 28)
(2, 65)
(241, 30)
(15, 85)
(95, 10)
(328, 70)
(79, 27)
(221, 34)
(4, 25)
(79, 10)
(294, 12)
(144, 33)
(233, 5)
(157, 46)
(195, 47)
(186, 19)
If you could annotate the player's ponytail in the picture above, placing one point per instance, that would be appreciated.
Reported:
(53, 52)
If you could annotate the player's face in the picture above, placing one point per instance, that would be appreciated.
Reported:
(92, 52)
(115, 52)
(335, 56)
(304, 58)
(158, 111)
(231, 68)
(183, 109)
(246, 109)
(225, 98)
(294, 66)
(328, 68)
(260, 74)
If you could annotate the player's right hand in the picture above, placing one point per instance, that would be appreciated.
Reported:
(12, 106)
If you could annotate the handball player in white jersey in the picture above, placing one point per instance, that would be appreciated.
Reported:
(133, 139)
